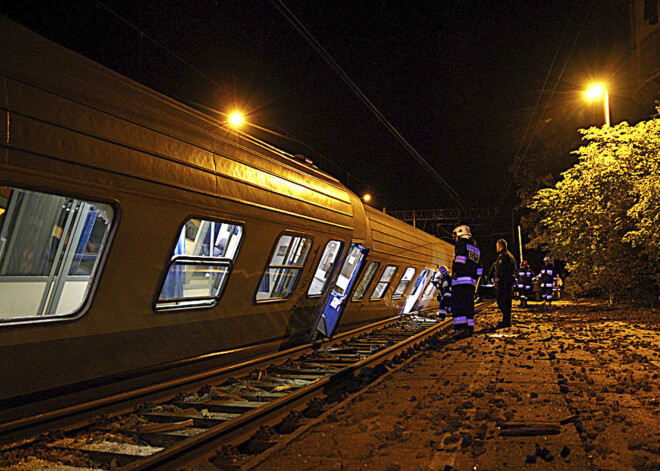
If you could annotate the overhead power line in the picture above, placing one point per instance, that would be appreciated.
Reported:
(519, 158)
(291, 18)
(144, 35)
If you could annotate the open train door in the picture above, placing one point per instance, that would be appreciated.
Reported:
(334, 305)
(417, 289)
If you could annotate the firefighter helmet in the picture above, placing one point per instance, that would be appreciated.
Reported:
(547, 260)
(524, 264)
(462, 231)
(444, 271)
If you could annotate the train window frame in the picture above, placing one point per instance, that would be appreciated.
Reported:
(197, 303)
(275, 252)
(366, 279)
(429, 291)
(68, 254)
(384, 283)
(396, 296)
(338, 252)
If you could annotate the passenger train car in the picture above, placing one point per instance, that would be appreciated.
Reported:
(137, 234)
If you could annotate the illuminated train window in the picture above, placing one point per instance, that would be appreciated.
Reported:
(384, 282)
(403, 284)
(285, 267)
(369, 274)
(50, 252)
(327, 262)
(200, 265)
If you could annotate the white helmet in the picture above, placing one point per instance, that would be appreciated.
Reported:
(462, 231)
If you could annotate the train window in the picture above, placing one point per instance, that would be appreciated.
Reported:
(403, 284)
(384, 282)
(369, 274)
(428, 292)
(327, 262)
(200, 265)
(50, 252)
(353, 258)
(283, 271)
(419, 282)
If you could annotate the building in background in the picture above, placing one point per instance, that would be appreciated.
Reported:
(645, 45)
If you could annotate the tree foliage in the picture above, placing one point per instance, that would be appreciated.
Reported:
(603, 216)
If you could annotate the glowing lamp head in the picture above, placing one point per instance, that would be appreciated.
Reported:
(595, 91)
(236, 119)
(366, 197)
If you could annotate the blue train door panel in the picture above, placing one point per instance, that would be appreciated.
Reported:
(336, 302)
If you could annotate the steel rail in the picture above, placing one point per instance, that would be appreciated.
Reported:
(237, 430)
(26, 426)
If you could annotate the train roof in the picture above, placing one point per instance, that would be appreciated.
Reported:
(124, 127)
(394, 237)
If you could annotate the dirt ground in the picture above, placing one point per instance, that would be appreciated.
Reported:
(575, 386)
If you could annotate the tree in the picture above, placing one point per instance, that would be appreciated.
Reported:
(602, 216)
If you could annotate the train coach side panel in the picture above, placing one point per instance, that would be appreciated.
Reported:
(396, 243)
(76, 129)
(120, 331)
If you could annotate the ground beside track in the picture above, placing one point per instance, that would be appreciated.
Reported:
(583, 370)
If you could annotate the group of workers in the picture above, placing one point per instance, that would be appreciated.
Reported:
(456, 290)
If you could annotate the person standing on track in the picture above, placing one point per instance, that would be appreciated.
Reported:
(504, 270)
(465, 272)
(443, 283)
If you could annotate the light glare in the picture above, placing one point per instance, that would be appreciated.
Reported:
(595, 91)
(236, 119)
(367, 197)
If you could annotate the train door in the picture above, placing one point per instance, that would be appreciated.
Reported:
(415, 292)
(331, 310)
(427, 294)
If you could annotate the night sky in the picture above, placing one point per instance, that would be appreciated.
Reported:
(458, 79)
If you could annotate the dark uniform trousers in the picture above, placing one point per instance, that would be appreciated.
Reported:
(503, 296)
(462, 299)
(548, 281)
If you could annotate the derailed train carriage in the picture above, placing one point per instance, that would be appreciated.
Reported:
(139, 239)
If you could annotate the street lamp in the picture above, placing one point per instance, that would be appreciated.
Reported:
(366, 197)
(236, 119)
(596, 91)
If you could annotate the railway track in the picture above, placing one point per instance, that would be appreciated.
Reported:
(238, 409)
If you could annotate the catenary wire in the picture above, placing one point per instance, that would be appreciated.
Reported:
(291, 18)
(143, 35)
(518, 161)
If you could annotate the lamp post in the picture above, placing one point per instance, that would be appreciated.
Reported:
(596, 91)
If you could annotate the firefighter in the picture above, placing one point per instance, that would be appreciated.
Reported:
(525, 277)
(443, 283)
(504, 270)
(465, 272)
(548, 278)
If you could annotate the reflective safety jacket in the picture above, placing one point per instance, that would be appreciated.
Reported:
(548, 276)
(466, 268)
(525, 277)
(443, 283)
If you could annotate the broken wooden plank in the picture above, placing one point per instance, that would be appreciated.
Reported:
(529, 429)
